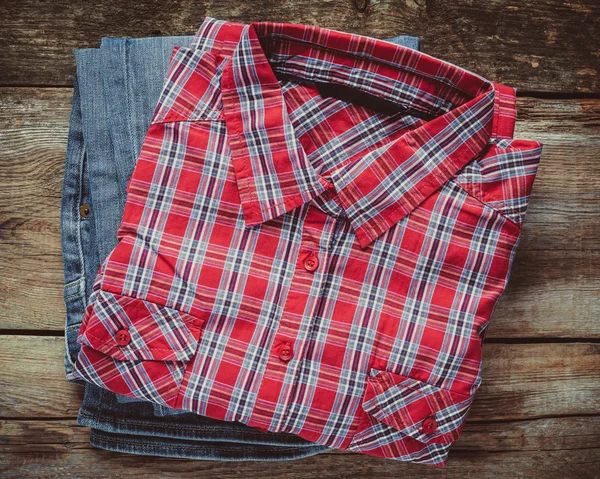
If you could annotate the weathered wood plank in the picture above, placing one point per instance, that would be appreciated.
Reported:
(34, 124)
(538, 46)
(545, 46)
(549, 295)
(93, 464)
(555, 276)
(32, 378)
(521, 381)
(549, 448)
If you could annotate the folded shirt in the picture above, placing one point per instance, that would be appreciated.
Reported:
(316, 232)
(116, 89)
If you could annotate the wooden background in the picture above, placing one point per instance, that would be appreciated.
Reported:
(537, 414)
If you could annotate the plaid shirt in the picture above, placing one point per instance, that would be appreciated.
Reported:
(316, 233)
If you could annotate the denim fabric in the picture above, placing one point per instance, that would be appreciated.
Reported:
(139, 428)
(406, 41)
(116, 89)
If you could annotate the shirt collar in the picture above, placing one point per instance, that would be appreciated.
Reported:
(272, 171)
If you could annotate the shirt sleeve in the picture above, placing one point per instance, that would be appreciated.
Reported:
(502, 177)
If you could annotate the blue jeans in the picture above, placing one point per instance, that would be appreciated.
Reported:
(115, 91)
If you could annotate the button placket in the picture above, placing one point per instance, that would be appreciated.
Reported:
(299, 309)
(317, 251)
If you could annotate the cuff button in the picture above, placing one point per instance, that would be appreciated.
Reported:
(123, 337)
(429, 425)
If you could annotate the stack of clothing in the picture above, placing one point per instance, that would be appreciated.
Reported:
(280, 239)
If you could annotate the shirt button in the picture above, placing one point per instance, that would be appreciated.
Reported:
(429, 425)
(84, 210)
(123, 337)
(311, 263)
(286, 352)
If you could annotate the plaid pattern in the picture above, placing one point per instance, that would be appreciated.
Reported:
(402, 404)
(157, 333)
(275, 143)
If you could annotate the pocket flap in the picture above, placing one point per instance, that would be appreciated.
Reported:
(129, 329)
(426, 413)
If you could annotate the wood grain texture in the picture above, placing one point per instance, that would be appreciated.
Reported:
(33, 126)
(543, 46)
(521, 381)
(537, 412)
(32, 379)
(548, 448)
(555, 281)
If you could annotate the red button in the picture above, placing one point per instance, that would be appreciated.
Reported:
(286, 352)
(429, 425)
(311, 262)
(123, 337)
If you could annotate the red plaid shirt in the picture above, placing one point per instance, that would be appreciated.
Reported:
(316, 233)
